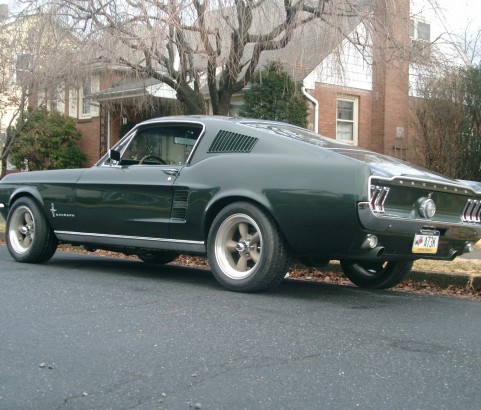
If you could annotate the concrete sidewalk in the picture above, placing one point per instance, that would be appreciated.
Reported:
(440, 279)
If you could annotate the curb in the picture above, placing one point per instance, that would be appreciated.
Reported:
(445, 280)
(440, 279)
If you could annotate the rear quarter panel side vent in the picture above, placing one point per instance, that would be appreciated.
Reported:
(179, 206)
(226, 141)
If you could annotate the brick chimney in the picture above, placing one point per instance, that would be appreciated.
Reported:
(390, 78)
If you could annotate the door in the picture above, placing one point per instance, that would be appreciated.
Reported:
(132, 197)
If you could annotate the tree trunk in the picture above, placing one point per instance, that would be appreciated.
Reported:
(4, 161)
(224, 106)
(193, 101)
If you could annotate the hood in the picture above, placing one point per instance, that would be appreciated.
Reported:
(49, 176)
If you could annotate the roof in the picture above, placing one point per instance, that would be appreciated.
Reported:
(310, 44)
(130, 88)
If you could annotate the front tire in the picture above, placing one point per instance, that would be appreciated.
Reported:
(376, 275)
(29, 237)
(246, 251)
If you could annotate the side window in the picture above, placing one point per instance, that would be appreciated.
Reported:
(161, 145)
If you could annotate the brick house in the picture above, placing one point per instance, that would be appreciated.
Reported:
(364, 101)
(361, 89)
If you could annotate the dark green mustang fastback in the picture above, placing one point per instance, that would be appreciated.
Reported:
(250, 195)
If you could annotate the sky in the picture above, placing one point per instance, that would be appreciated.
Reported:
(460, 13)
(457, 13)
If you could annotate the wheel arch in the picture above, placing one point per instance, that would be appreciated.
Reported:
(215, 206)
(26, 192)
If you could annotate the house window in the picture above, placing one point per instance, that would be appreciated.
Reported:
(88, 106)
(53, 99)
(419, 30)
(346, 126)
(22, 68)
(86, 91)
(424, 31)
(420, 33)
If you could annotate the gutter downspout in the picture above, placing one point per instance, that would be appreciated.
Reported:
(316, 108)
(108, 131)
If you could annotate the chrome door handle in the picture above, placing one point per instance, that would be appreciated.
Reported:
(171, 171)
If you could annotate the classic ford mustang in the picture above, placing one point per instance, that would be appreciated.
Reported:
(250, 195)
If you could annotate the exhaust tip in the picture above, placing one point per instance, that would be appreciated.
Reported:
(469, 247)
(453, 254)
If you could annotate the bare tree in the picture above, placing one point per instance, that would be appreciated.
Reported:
(33, 58)
(439, 122)
(448, 122)
(12, 93)
(211, 47)
(470, 42)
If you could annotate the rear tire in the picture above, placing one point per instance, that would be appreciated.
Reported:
(29, 237)
(376, 275)
(246, 251)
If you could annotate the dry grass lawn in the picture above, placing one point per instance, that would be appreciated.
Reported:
(457, 266)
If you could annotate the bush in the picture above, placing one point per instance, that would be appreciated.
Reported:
(274, 96)
(46, 141)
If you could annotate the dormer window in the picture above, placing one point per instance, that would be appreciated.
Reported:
(420, 34)
(23, 66)
(419, 30)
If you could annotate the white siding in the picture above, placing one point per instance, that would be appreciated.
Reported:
(346, 66)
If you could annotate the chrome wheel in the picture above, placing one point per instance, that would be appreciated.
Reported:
(29, 236)
(246, 251)
(22, 229)
(238, 246)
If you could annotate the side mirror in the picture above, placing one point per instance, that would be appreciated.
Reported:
(114, 155)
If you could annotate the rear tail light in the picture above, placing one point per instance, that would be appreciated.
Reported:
(378, 197)
(472, 211)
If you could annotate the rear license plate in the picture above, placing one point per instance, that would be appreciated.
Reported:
(426, 242)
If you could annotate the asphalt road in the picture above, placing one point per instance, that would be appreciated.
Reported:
(86, 332)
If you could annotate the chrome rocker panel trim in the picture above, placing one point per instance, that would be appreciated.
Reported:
(177, 245)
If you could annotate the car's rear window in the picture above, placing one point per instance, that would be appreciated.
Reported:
(297, 133)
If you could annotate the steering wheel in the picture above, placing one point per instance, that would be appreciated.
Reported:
(152, 158)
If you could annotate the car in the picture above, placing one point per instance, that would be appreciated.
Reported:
(251, 195)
